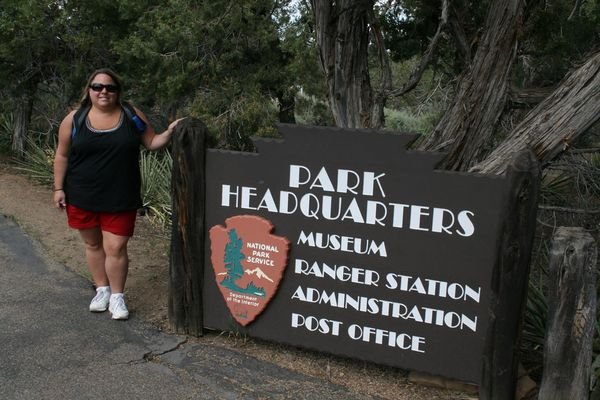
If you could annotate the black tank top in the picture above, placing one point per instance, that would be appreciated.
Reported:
(103, 172)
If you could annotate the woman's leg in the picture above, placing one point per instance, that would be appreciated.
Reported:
(95, 255)
(117, 260)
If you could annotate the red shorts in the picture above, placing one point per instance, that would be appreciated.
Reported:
(120, 223)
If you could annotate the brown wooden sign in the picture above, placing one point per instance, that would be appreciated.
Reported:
(389, 260)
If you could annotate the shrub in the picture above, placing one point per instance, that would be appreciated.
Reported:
(407, 121)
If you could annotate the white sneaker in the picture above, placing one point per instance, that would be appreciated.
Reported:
(117, 307)
(100, 301)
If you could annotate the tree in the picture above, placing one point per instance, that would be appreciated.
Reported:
(496, 83)
(221, 60)
(233, 259)
(29, 46)
(47, 48)
(468, 129)
(469, 124)
(235, 64)
(552, 126)
(342, 33)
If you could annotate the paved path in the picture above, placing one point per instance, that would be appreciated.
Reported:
(52, 347)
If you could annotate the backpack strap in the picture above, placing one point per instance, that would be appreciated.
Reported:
(139, 123)
(79, 119)
(81, 114)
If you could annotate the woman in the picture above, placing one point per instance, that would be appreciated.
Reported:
(97, 181)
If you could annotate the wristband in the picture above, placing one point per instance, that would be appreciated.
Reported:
(57, 190)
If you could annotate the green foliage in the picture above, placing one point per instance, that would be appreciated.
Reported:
(420, 110)
(313, 111)
(552, 41)
(221, 61)
(534, 328)
(406, 121)
(155, 169)
(28, 41)
(409, 26)
(556, 187)
(573, 181)
(304, 75)
(236, 118)
(38, 162)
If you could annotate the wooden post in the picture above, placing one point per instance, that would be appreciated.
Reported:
(572, 303)
(187, 238)
(509, 280)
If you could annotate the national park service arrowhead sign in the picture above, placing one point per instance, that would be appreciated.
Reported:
(248, 263)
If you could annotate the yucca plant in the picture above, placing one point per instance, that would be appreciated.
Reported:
(155, 169)
(534, 328)
(38, 162)
(595, 381)
(556, 186)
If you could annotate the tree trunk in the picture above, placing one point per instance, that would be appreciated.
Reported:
(342, 30)
(467, 127)
(509, 281)
(187, 238)
(23, 110)
(571, 316)
(287, 108)
(556, 122)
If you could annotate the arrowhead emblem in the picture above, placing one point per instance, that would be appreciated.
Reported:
(248, 262)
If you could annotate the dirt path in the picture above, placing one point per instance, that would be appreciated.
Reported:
(30, 205)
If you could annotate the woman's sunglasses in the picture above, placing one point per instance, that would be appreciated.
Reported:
(97, 87)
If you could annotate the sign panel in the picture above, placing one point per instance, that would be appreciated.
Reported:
(388, 260)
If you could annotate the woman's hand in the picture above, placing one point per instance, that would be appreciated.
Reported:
(150, 139)
(60, 199)
(172, 125)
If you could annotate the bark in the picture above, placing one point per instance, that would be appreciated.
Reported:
(380, 97)
(187, 237)
(527, 98)
(509, 280)
(556, 122)
(469, 123)
(462, 43)
(23, 110)
(342, 30)
(287, 106)
(572, 299)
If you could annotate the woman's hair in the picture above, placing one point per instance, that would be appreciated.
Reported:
(85, 93)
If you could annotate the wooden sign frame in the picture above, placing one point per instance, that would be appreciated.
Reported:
(451, 237)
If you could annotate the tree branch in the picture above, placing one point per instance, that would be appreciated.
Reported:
(377, 113)
(586, 151)
(528, 97)
(551, 127)
(428, 56)
(384, 60)
(576, 9)
(461, 37)
(568, 210)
